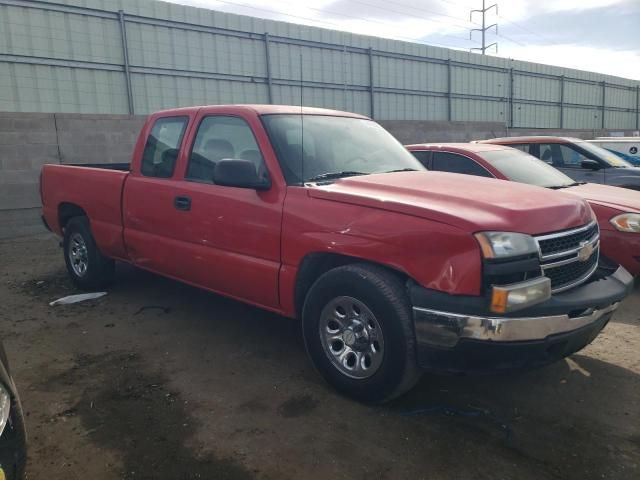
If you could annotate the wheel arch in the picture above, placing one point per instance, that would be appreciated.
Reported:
(313, 265)
(67, 211)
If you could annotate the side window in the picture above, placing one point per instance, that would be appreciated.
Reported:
(219, 138)
(561, 156)
(422, 156)
(450, 162)
(162, 148)
(545, 154)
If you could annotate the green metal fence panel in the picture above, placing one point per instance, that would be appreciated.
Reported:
(71, 56)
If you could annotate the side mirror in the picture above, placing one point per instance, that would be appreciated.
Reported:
(590, 164)
(239, 173)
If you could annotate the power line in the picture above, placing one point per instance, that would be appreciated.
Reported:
(335, 25)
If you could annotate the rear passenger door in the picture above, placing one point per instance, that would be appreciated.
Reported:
(455, 163)
(149, 215)
(569, 161)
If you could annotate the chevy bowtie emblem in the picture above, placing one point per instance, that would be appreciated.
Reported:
(585, 252)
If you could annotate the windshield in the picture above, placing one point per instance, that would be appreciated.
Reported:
(334, 147)
(604, 155)
(524, 168)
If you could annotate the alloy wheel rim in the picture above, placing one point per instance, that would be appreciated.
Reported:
(78, 254)
(351, 337)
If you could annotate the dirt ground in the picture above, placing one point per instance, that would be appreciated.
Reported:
(159, 380)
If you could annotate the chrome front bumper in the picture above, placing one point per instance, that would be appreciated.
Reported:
(446, 329)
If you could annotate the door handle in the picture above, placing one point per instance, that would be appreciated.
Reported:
(182, 203)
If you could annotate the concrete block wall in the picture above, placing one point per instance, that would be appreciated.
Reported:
(27, 141)
(30, 140)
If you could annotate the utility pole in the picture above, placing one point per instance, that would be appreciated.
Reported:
(484, 28)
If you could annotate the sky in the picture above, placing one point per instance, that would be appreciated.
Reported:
(595, 35)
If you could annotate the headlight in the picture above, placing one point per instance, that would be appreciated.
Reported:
(506, 244)
(627, 222)
(5, 406)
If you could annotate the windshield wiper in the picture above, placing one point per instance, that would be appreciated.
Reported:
(334, 175)
(402, 170)
(574, 184)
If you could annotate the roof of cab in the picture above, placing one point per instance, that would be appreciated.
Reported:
(265, 110)
(469, 147)
(531, 139)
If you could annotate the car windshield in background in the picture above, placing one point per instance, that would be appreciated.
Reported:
(316, 147)
(524, 168)
(604, 155)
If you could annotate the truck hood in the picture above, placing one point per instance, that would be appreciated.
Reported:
(465, 201)
(614, 197)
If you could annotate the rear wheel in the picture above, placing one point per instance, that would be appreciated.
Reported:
(359, 334)
(87, 267)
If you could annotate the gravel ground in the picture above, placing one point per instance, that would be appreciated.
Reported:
(159, 380)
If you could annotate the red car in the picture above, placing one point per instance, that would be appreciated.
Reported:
(617, 209)
(323, 216)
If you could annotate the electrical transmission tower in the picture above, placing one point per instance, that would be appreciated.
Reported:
(484, 28)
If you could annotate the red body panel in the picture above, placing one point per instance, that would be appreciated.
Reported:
(98, 192)
(249, 244)
(605, 200)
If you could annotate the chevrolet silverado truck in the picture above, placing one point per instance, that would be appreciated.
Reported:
(323, 216)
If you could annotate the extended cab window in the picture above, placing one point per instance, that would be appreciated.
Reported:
(450, 162)
(163, 145)
(219, 138)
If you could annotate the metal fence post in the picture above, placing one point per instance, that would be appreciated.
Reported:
(371, 87)
(449, 111)
(125, 55)
(561, 101)
(511, 82)
(604, 101)
(267, 57)
(637, 107)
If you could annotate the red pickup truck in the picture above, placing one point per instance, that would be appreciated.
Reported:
(324, 216)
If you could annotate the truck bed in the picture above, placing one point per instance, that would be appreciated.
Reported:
(123, 167)
(94, 189)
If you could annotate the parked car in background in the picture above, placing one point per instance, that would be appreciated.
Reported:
(617, 209)
(13, 448)
(324, 216)
(627, 148)
(579, 159)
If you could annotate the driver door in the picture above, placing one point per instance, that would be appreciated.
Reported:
(229, 236)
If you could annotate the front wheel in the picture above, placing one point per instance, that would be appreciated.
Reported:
(87, 267)
(358, 332)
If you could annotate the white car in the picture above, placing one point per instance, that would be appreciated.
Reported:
(627, 148)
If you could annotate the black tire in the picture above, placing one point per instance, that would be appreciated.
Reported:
(99, 271)
(384, 294)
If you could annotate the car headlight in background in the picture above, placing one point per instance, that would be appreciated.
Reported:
(627, 222)
(5, 407)
(498, 245)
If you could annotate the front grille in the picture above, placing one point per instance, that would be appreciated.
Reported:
(562, 258)
(571, 272)
(554, 243)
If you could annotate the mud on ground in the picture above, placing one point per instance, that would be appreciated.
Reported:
(159, 380)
